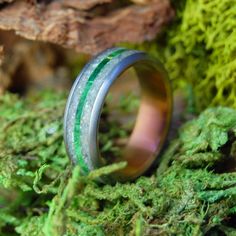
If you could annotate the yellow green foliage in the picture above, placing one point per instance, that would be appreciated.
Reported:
(199, 49)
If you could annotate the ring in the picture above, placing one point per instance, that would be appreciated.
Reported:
(86, 101)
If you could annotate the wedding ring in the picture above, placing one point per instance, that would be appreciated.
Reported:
(86, 101)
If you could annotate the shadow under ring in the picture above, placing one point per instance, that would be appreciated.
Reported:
(86, 100)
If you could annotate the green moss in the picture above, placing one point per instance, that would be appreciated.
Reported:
(198, 51)
(42, 194)
(31, 133)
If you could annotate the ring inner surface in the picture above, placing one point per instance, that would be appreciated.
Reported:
(149, 96)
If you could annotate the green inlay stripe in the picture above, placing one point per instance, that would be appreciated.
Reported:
(77, 131)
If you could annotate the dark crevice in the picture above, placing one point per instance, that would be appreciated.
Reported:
(107, 8)
(228, 163)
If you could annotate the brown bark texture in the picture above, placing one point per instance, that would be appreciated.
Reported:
(86, 26)
(1, 54)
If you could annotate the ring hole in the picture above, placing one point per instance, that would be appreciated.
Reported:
(118, 116)
(135, 119)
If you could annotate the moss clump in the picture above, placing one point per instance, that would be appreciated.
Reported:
(190, 193)
(199, 50)
(31, 133)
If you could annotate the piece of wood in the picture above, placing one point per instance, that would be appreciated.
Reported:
(4, 1)
(86, 26)
(1, 54)
(83, 4)
(24, 59)
(3, 80)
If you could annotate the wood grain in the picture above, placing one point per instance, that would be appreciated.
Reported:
(86, 26)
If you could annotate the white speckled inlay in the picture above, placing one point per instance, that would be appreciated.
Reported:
(92, 94)
(72, 105)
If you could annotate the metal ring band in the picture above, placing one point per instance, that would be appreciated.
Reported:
(86, 100)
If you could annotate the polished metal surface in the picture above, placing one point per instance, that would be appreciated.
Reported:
(152, 121)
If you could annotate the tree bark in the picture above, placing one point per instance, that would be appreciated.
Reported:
(1, 54)
(86, 26)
